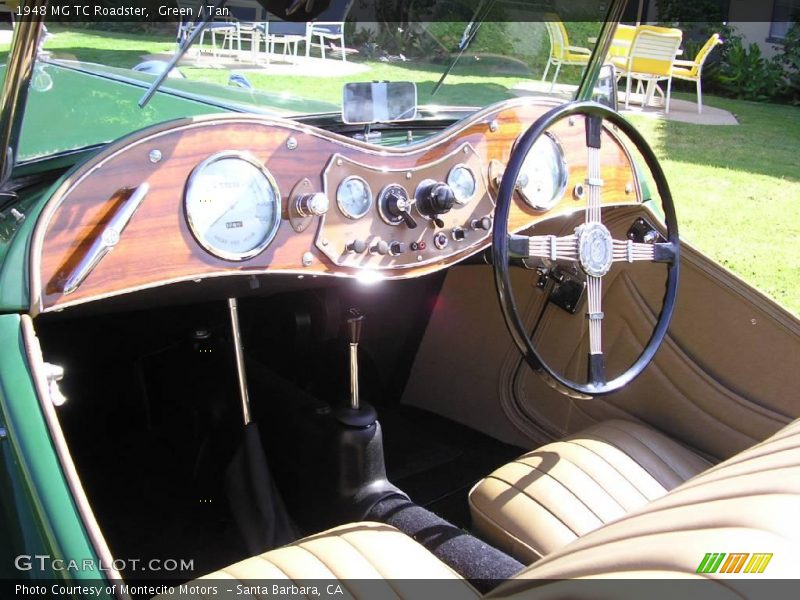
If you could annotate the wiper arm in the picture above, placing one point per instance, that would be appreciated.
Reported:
(196, 31)
(470, 31)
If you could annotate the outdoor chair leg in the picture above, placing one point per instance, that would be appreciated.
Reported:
(546, 70)
(628, 92)
(322, 46)
(699, 98)
(669, 93)
(553, 84)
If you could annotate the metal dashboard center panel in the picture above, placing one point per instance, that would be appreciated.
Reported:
(371, 241)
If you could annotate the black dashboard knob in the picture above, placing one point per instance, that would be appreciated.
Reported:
(435, 198)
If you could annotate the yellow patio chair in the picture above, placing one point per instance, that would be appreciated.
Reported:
(692, 70)
(622, 40)
(650, 60)
(561, 53)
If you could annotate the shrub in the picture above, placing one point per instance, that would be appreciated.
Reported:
(789, 59)
(745, 74)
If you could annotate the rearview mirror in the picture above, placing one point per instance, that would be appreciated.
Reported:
(379, 102)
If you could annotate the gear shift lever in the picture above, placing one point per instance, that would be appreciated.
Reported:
(356, 413)
(354, 323)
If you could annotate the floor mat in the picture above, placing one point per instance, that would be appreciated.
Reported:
(436, 461)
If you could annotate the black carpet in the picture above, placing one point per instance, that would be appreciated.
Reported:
(483, 565)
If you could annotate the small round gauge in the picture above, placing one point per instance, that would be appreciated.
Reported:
(543, 177)
(354, 197)
(462, 182)
(393, 201)
(233, 205)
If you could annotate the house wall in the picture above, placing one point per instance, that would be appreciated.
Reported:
(756, 33)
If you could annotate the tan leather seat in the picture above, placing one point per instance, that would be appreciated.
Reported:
(747, 505)
(352, 554)
(549, 497)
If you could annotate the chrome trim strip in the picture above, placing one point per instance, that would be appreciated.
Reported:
(35, 358)
(105, 243)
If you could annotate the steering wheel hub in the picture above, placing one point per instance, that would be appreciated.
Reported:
(595, 248)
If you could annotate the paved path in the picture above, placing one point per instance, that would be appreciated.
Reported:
(679, 110)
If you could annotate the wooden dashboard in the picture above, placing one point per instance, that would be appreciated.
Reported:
(157, 246)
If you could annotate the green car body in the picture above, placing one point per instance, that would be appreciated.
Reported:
(38, 514)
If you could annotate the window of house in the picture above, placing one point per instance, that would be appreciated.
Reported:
(783, 12)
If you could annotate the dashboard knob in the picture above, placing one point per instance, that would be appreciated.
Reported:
(356, 247)
(381, 248)
(484, 223)
(312, 205)
(434, 198)
(396, 248)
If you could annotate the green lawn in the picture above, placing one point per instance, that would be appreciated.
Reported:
(737, 188)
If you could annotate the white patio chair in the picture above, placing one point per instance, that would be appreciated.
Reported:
(326, 31)
(231, 33)
(649, 61)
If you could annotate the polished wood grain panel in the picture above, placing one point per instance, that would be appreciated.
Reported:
(157, 246)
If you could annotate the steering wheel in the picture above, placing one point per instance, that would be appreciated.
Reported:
(591, 246)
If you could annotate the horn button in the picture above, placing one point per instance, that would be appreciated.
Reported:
(595, 248)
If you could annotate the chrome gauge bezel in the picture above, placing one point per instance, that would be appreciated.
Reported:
(562, 185)
(370, 195)
(276, 218)
(471, 197)
(382, 205)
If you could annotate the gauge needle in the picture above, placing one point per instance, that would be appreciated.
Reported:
(228, 209)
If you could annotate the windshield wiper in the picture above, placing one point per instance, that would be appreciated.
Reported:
(197, 29)
(470, 31)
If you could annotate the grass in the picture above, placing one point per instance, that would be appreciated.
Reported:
(737, 188)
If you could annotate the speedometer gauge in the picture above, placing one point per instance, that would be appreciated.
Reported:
(233, 205)
(354, 197)
(543, 177)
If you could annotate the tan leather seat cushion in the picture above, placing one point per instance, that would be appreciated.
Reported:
(747, 504)
(549, 497)
(358, 551)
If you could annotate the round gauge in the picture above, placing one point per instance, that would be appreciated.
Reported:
(462, 182)
(233, 205)
(543, 177)
(393, 201)
(354, 197)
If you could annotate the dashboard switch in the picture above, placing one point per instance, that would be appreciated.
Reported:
(434, 198)
(484, 223)
(440, 240)
(458, 234)
(396, 248)
(356, 247)
(311, 205)
(381, 248)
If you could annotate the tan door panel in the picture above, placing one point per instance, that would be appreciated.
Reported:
(726, 377)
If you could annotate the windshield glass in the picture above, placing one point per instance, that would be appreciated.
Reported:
(90, 76)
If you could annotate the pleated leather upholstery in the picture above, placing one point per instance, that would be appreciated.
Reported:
(549, 497)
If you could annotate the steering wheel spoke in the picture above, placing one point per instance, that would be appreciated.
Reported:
(551, 247)
(630, 251)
